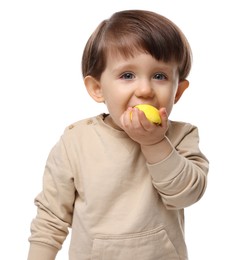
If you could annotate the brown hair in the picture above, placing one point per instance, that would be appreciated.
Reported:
(127, 32)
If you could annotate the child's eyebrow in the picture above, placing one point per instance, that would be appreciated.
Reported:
(129, 66)
(123, 67)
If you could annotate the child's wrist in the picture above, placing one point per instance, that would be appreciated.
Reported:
(157, 152)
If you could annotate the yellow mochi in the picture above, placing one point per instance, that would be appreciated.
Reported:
(150, 112)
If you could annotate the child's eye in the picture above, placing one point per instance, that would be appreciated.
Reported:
(127, 75)
(160, 76)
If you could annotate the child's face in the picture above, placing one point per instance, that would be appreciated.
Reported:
(137, 80)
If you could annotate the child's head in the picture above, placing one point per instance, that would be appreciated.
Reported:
(133, 31)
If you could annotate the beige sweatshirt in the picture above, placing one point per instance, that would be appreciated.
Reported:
(98, 183)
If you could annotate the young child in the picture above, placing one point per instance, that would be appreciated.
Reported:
(119, 181)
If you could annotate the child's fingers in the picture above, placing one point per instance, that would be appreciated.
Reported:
(164, 117)
(126, 118)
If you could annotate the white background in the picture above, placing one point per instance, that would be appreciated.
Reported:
(41, 92)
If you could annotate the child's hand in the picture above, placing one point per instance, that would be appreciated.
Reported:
(141, 130)
(151, 137)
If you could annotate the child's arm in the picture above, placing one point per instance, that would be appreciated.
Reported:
(181, 178)
(55, 206)
(178, 168)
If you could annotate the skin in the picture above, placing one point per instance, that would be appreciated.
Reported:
(139, 80)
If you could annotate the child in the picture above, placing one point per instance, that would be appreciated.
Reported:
(118, 180)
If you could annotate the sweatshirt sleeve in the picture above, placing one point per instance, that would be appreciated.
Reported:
(55, 206)
(181, 178)
(40, 251)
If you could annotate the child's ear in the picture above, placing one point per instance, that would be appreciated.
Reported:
(181, 87)
(94, 88)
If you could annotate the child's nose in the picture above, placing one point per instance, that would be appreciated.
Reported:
(144, 90)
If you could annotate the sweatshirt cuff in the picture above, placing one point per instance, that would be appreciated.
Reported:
(41, 251)
(167, 169)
